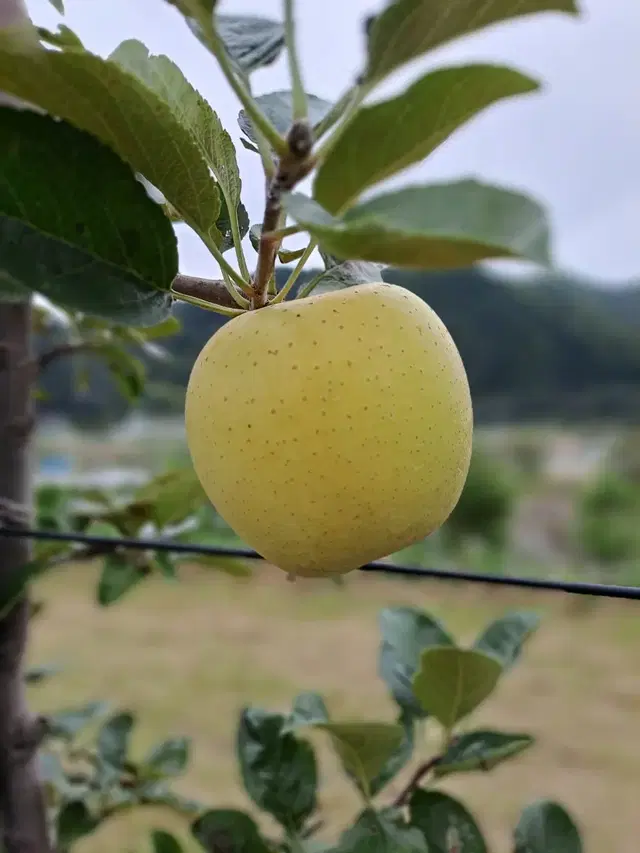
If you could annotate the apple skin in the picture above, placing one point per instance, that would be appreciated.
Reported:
(333, 430)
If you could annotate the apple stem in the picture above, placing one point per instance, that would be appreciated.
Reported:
(292, 168)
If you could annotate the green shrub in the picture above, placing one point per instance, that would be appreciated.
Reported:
(625, 457)
(528, 455)
(485, 506)
(608, 520)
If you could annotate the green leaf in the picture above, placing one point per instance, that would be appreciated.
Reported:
(249, 145)
(168, 758)
(100, 97)
(251, 41)
(38, 674)
(308, 709)
(278, 107)
(399, 759)
(66, 724)
(329, 260)
(104, 529)
(127, 370)
(224, 225)
(171, 496)
(407, 29)
(287, 256)
(193, 112)
(279, 771)
(63, 37)
(198, 15)
(52, 506)
(166, 564)
(388, 137)
(437, 226)
(119, 575)
(164, 842)
(74, 822)
(364, 748)
(254, 236)
(371, 753)
(405, 633)
(228, 830)
(481, 750)
(196, 11)
(114, 737)
(165, 329)
(348, 274)
(445, 823)
(158, 793)
(87, 237)
(451, 683)
(58, 5)
(545, 827)
(12, 587)
(505, 638)
(374, 832)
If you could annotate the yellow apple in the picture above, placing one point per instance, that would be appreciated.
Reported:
(332, 430)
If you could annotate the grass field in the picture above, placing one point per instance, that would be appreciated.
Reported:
(186, 658)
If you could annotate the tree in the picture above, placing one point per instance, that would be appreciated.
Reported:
(92, 238)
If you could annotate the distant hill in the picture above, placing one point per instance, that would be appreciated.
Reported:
(550, 348)
(546, 349)
(621, 303)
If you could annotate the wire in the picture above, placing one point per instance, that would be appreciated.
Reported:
(108, 542)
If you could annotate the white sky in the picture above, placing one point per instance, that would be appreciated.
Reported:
(575, 146)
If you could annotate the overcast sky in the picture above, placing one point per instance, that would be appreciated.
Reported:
(576, 145)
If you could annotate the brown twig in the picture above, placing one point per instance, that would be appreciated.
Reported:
(292, 168)
(44, 360)
(423, 770)
(209, 290)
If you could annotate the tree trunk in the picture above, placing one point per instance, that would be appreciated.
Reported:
(23, 827)
(23, 819)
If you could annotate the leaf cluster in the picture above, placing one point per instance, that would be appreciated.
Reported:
(92, 773)
(143, 149)
(436, 684)
(171, 506)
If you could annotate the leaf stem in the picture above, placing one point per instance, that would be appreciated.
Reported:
(310, 285)
(208, 306)
(268, 166)
(336, 112)
(259, 120)
(423, 771)
(225, 266)
(299, 96)
(295, 273)
(237, 241)
(289, 231)
(205, 293)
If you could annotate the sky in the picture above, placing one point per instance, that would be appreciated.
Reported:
(575, 146)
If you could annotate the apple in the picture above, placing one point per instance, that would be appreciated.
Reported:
(332, 430)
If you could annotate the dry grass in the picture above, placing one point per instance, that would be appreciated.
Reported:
(187, 657)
